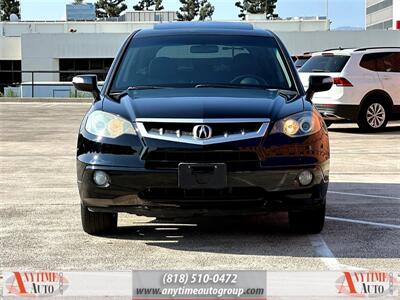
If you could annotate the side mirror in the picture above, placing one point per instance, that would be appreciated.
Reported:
(318, 84)
(87, 83)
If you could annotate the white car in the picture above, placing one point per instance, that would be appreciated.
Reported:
(366, 86)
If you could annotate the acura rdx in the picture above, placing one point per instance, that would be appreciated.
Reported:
(202, 119)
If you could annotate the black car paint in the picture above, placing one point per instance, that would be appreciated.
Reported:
(275, 173)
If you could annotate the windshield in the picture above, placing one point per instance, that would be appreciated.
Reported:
(198, 60)
(325, 63)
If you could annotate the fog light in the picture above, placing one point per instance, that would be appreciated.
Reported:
(305, 177)
(101, 178)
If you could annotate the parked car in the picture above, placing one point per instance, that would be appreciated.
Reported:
(202, 119)
(366, 85)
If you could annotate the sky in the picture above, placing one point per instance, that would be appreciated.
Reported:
(343, 13)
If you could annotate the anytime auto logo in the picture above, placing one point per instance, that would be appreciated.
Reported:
(35, 284)
(367, 284)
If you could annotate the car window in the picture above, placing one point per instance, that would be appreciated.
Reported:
(325, 63)
(391, 62)
(300, 62)
(381, 62)
(190, 60)
(185, 51)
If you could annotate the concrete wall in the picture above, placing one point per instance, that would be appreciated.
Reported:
(43, 51)
(19, 28)
(10, 48)
(294, 25)
(15, 29)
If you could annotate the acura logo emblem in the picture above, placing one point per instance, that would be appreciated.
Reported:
(202, 132)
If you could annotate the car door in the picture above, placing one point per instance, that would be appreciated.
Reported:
(389, 74)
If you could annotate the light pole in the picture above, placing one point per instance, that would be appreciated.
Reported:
(327, 14)
(327, 9)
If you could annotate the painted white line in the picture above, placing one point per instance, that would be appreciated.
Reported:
(322, 250)
(364, 195)
(364, 222)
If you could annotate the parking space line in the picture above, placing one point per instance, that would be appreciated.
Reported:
(322, 250)
(364, 195)
(364, 222)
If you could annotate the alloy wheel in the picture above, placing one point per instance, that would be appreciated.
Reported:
(376, 115)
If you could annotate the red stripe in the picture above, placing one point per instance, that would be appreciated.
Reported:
(210, 298)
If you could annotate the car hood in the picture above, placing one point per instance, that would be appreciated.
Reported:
(205, 103)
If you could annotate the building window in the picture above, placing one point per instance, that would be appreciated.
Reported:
(379, 6)
(10, 73)
(383, 25)
(70, 67)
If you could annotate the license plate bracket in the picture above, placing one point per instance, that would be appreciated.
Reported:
(202, 176)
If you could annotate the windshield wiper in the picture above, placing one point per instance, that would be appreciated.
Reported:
(319, 71)
(233, 86)
(119, 94)
(288, 94)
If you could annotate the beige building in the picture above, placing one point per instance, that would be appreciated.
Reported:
(382, 14)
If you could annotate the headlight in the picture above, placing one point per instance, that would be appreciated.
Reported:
(108, 125)
(301, 124)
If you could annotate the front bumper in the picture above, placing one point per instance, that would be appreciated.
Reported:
(156, 193)
(261, 175)
(338, 112)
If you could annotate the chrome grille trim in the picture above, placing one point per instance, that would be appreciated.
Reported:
(140, 123)
(201, 121)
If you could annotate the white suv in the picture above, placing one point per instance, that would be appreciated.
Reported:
(366, 85)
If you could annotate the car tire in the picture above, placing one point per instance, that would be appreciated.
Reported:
(308, 221)
(373, 116)
(95, 223)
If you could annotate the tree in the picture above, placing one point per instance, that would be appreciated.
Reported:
(266, 7)
(206, 10)
(158, 5)
(9, 7)
(243, 9)
(189, 10)
(270, 9)
(148, 4)
(110, 8)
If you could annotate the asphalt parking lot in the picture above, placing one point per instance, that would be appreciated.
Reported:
(40, 225)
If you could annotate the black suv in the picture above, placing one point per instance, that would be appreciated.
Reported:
(202, 118)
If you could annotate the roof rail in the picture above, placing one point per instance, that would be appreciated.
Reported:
(371, 48)
(204, 25)
(338, 48)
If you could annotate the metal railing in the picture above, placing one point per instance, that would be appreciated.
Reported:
(34, 82)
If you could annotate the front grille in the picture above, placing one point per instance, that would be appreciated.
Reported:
(235, 160)
(186, 129)
(202, 131)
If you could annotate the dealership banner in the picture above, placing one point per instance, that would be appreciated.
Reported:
(158, 285)
(199, 285)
